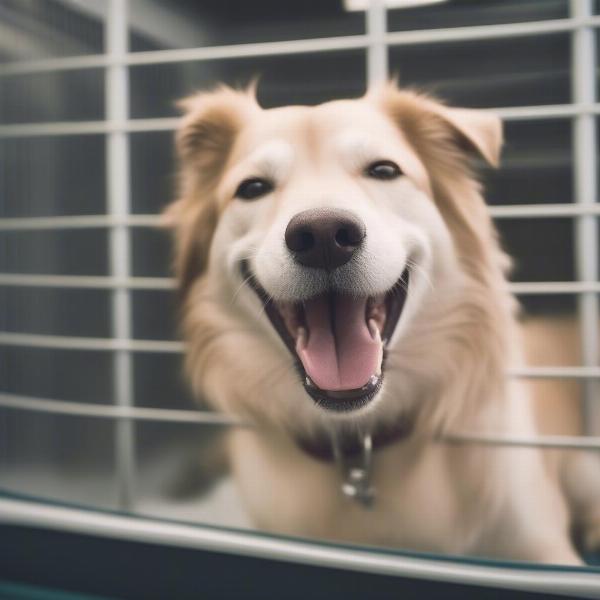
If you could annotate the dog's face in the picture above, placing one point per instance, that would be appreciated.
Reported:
(322, 227)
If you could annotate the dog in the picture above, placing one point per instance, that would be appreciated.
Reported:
(344, 291)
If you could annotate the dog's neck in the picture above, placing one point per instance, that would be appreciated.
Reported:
(352, 453)
(350, 443)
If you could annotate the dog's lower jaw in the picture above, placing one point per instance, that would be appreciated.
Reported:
(346, 401)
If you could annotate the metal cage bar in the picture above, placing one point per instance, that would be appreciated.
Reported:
(508, 211)
(165, 283)
(29, 340)
(398, 38)
(118, 186)
(122, 414)
(583, 71)
(377, 58)
(66, 128)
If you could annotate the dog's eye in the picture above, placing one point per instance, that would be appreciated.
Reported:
(253, 188)
(383, 169)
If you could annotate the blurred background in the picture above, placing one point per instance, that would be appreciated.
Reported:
(87, 92)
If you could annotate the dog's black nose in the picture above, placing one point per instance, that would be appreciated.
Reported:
(324, 238)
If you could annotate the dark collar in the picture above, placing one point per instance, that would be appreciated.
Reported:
(321, 448)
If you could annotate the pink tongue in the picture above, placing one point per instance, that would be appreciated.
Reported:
(340, 353)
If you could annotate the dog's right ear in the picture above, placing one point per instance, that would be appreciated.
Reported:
(209, 126)
(204, 140)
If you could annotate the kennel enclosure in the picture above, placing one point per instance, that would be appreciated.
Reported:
(93, 414)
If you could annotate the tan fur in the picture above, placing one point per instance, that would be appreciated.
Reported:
(431, 496)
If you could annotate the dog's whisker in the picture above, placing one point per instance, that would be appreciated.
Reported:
(235, 294)
(265, 304)
(420, 272)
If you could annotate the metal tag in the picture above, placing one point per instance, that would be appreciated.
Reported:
(356, 473)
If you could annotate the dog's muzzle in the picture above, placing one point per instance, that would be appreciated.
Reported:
(337, 338)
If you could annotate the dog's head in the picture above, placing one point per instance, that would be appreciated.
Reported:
(329, 236)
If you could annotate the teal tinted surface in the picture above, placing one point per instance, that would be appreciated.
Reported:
(17, 591)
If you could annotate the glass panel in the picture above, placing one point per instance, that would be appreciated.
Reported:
(536, 165)
(72, 375)
(463, 13)
(38, 30)
(151, 252)
(159, 382)
(52, 96)
(285, 79)
(55, 311)
(64, 458)
(152, 171)
(154, 314)
(47, 176)
(542, 249)
(488, 73)
(68, 252)
(183, 474)
(165, 24)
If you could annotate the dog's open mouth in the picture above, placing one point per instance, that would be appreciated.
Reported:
(338, 340)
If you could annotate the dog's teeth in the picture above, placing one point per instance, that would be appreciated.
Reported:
(374, 330)
(309, 382)
(376, 335)
(301, 336)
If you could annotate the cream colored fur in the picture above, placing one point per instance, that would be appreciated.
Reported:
(447, 360)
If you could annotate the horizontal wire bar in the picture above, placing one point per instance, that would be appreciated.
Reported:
(109, 411)
(63, 63)
(167, 415)
(555, 372)
(542, 210)
(398, 38)
(63, 128)
(554, 287)
(547, 111)
(158, 124)
(166, 283)
(154, 220)
(160, 346)
(87, 343)
(190, 54)
(482, 32)
(78, 222)
(566, 442)
(85, 282)
(58, 128)
(332, 44)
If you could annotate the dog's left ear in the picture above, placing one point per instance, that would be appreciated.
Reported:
(477, 130)
(473, 131)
